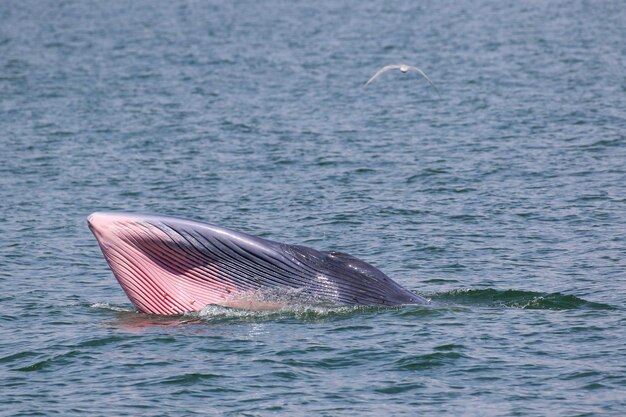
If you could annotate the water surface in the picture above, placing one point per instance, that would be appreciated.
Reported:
(502, 200)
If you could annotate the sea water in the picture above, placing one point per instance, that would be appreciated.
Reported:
(503, 200)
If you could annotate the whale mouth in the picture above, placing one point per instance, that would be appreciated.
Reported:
(167, 265)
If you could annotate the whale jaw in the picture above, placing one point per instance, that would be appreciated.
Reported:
(152, 271)
(167, 265)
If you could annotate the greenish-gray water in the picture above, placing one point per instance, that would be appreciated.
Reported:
(503, 200)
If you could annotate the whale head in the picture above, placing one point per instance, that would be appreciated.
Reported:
(168, 265)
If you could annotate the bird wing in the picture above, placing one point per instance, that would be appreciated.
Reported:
(380, 71)
(420, 72)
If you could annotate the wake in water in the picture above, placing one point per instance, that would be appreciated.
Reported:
(298, 306)
(275, 305)
(107, 306)
(297, 311)
(516, 299)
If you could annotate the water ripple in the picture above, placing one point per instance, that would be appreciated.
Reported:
(502, 201)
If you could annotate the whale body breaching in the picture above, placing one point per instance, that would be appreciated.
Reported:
(168, 265)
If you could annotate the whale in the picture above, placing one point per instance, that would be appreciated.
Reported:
(168, 265)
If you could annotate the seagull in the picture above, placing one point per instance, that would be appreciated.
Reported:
(404, 68)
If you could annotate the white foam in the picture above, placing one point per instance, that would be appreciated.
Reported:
(107, 306)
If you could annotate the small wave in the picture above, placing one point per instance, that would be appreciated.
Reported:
(189, 378)
(298, 311)
(429, 360)
(107, 306)
(531, 300)
(217, 314)
(273, 303)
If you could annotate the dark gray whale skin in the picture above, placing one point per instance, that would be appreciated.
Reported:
(169, 265)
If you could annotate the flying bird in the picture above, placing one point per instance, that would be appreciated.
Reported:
(404, 68)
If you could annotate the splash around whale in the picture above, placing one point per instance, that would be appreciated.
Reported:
(168, 265)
